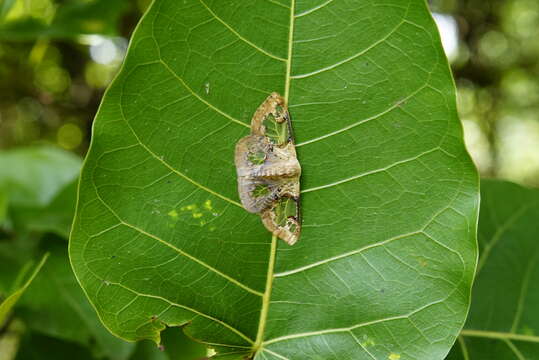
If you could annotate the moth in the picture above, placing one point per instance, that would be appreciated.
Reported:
(268, 170)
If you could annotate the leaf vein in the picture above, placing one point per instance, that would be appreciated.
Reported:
(353, 327)
(307, 12)
(350, 58)
(523, 291)
(514, 349)
(363, 121)
(499, 335)
(199, 97)
(185, 254)
(254, 46)
(171, 168)
(276, 354)
(192, 258)
(228, 326)
(375, 171)
(345, 255)
(499, 233)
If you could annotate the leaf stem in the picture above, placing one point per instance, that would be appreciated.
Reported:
(289, 57)
(266, 296)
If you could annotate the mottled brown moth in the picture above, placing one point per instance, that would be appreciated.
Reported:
(268, 170)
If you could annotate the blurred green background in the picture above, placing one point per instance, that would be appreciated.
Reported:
(56, 59)
(493, 47)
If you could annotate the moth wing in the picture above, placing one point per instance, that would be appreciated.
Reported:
(272, 120)
(251, 151)
(257, 194)
(268, 106)
(283, 219)
(268, 170)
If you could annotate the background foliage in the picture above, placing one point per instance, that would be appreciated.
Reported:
(56, 58)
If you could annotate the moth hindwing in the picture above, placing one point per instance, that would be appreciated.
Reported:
(268, 170)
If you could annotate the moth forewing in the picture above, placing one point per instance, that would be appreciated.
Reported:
(283, 219)
(268, 170)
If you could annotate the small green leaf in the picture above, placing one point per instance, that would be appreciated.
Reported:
(504, 321)
(33, 176)
(7, 305)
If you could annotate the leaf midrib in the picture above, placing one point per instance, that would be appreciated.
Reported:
(258, 346)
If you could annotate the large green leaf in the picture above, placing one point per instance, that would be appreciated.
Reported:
(504, 322)
(384, 266)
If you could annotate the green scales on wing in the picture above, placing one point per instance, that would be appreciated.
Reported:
(276, 126)
(286, 213)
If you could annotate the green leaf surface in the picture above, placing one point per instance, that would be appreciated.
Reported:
(56, 306)
(7, 304)
(384, 266)
(504, 322)
(33, 176)
(71, 20)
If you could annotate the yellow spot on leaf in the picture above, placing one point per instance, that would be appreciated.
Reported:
(394, 356)
(526, 330)
(196, 211)
(368, 342)
(207, 205)
(188, 207)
